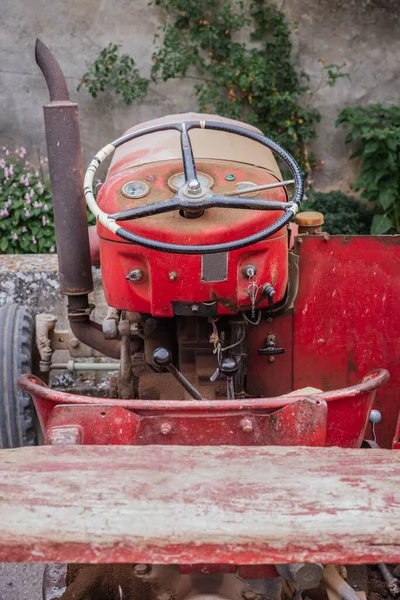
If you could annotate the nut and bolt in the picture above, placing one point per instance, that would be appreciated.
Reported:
(149, 177)
(271, 358)
(165, 428)
(74, 343)
(135, 275)
(326, 237)
(140, 570)
(194, 185)
(249, 271)
(195, 308)
(246, 426)
(173, 276)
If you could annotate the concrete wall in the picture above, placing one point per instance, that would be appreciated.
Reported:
(363, 33)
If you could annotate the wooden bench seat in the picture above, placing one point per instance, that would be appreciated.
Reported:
(176, 504)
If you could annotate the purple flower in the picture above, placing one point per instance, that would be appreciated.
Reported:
(27, 214)
(15, 237)
(27, 198)
(8, 203)
(31, 192)
(44, 221)
(11, 169)
(23, 152)
(51, 249)
(37, 205)
(34, 240)
(7, 152)
(305, 197)
(2, 163)
(4, 213)
(45, 207)
(24, 230)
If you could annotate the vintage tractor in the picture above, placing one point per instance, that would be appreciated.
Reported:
(241, 451)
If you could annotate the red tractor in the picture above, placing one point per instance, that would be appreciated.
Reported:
(243, 449)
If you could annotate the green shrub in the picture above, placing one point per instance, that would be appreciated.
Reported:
(344, 215)
(376, 131)
(110, 70)
(26, 210)
(239, 55)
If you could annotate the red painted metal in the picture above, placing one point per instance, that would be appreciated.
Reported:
(156, 291)
(302, 423)
(293, 420)
(347, 320)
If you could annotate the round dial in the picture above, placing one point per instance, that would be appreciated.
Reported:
(135, 189)
(178, 179)
(245, 185)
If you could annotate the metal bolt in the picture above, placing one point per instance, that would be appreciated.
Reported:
(195, 308)
(271, 358)
(141, 570)
(230, 177)
(193, 185)
(74, 343)
(300, 240)
(135, 275)
(246, 426)
(326, 237)
(250, 595)
(249, 271)
(149, 177)
(173, 275)
(166, 428)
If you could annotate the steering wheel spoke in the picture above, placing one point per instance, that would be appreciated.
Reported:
(148, 210)
(189, 166)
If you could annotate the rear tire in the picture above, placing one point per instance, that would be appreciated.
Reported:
(17, 411)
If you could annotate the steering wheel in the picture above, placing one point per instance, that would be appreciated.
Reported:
(192, 195)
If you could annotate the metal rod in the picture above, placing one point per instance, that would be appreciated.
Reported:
(259, 188)
(184, 382)
(392, 582)
(73, 365)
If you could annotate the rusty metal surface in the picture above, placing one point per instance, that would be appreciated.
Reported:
(303, 423)
(66, 176)
(240, 505)
(202, 422)
(347, 319)
(52, 72)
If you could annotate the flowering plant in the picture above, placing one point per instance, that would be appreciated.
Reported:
(26, 210)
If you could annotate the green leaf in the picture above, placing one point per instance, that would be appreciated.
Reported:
(386, 198)
(4, 243)
(381, 224)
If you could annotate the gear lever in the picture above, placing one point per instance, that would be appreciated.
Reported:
(162, 358)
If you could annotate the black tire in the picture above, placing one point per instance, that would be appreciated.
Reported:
(17, 412)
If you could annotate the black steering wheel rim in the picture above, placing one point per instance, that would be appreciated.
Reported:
(110, 221)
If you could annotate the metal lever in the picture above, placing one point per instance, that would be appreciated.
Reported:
(227, 367)
(270, 348)
(162, 358)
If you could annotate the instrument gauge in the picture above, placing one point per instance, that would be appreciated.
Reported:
(246, 185)
(135, 189)
(178, 179)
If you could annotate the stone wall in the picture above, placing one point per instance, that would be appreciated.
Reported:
(363, 33)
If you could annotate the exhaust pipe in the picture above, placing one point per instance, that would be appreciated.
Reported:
(66, 177)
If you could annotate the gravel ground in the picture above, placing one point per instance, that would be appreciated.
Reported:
(21, 581)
